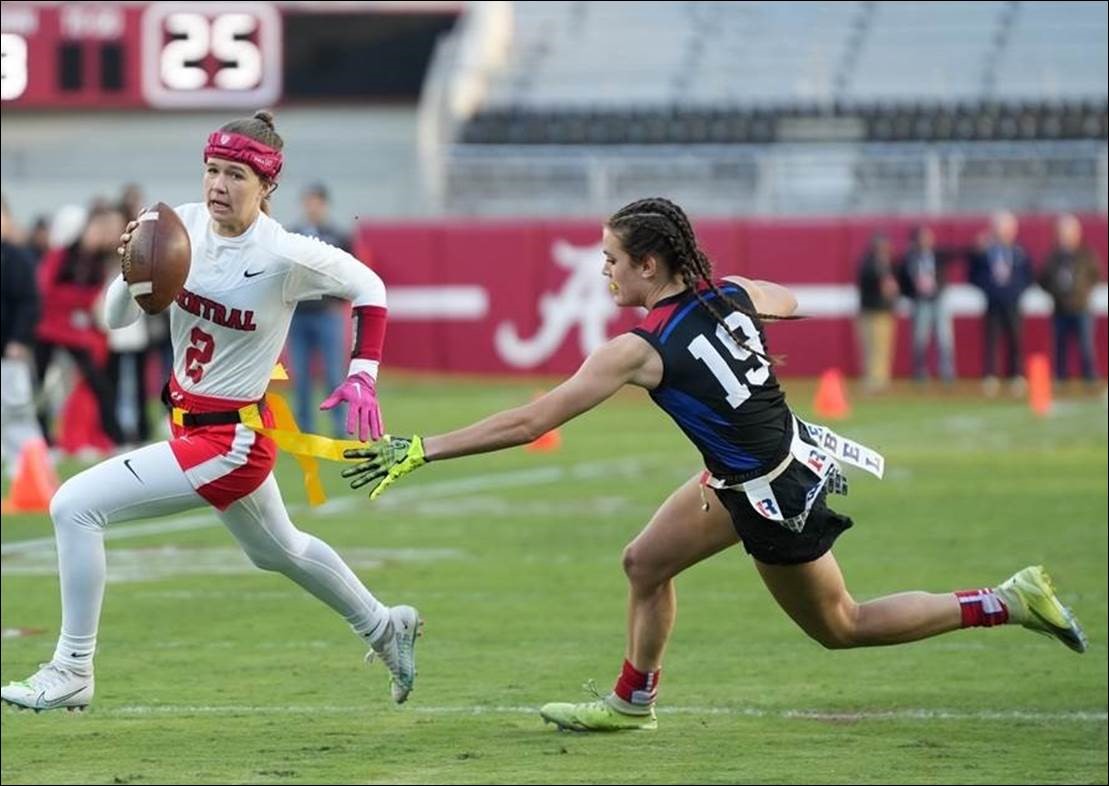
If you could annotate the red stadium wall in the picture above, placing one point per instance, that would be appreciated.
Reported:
(528, 297)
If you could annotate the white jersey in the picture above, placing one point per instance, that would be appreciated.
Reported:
(230, 321)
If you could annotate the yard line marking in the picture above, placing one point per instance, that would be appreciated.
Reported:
(532, 476)
(168, 561)
(904, 714)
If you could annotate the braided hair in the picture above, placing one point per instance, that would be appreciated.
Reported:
(660, 228)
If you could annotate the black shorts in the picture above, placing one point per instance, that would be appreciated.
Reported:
(769, 541)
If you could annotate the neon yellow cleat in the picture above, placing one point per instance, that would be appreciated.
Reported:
(1030, 597)
(596, 716)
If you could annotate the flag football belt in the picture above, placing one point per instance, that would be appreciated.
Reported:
(305, 448)
(182, 417)
(822, 459)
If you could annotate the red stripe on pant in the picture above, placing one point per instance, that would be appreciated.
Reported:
(195, 446)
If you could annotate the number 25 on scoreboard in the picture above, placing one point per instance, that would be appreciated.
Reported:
(220, 53)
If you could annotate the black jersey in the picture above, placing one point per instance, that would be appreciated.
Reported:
(725, 398)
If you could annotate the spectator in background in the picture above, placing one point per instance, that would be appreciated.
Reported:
(126, 366)
(923, 278)
(878, 291)
(71, 279)
(131, 200)
(38, 239)
(66, 226)
(1002, 270)
(1071, 272)
(152, 337)
(20, 301)
(318, 325)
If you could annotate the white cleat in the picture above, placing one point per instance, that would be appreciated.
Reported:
(397, 652)
(52, 687)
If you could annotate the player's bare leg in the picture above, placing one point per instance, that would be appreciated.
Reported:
(815, 596)
(680, 534)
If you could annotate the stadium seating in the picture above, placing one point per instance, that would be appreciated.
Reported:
(922, 101)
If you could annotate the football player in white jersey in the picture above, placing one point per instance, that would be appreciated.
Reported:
(229, 323)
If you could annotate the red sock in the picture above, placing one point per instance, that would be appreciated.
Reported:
(981, 608)
(637, 687)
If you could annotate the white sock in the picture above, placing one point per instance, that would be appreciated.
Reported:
(75, 652)
(378, 634)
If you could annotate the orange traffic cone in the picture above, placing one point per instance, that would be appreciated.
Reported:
(35, 481)
(831, 396)
(1039, 384)
(546, 443)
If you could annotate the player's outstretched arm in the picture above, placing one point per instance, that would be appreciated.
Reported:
(619, 362)
(767, 297)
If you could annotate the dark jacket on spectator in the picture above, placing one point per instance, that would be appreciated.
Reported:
(20, 296)
(1069, 277)
(1001, 272)
(872, 296)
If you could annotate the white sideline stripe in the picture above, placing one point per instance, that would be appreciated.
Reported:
(471, 302)
(447, 488)
(908, 714)
(435, 303)
(964, 300)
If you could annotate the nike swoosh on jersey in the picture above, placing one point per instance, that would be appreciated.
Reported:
(248, 274)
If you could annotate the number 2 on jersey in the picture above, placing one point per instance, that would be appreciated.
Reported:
(702, 349)
(203, 346)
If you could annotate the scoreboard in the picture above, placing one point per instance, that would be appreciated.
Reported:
(194, 55)
(171, 55)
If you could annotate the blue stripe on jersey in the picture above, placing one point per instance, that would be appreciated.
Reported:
(703, 423)
(688, 307)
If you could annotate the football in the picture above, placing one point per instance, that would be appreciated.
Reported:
(156, 258)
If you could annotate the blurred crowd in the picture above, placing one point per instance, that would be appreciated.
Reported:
(56, 342)
(1002, 270)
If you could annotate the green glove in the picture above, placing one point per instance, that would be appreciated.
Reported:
(389, 459)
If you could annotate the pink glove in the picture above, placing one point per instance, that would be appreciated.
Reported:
(362, 407)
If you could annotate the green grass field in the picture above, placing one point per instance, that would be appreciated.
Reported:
(212, 672)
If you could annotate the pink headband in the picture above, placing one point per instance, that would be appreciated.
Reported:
(263, 159)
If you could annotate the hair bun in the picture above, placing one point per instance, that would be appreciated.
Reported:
(266, 116)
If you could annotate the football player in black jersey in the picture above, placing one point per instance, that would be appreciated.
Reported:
(701, 354)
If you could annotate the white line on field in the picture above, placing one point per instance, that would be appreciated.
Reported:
(905, 714)
(176, 524)
(532, 476)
